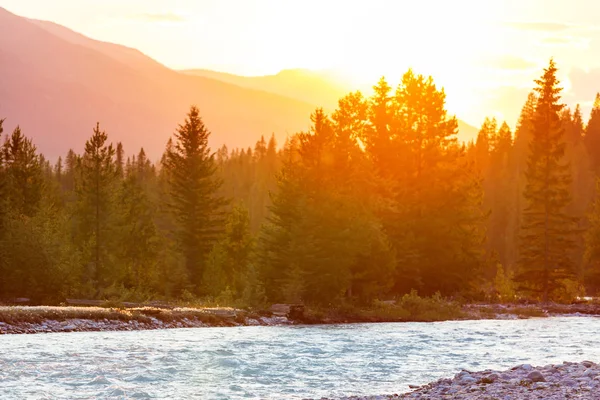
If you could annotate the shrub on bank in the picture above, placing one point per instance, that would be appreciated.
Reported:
(410, 307)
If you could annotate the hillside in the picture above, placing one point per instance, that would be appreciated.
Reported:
(56, 84)
(304, 85)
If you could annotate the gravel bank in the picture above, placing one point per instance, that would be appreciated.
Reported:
(524, 382)
(44, 319)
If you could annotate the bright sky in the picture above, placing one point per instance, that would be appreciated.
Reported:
(485, 53)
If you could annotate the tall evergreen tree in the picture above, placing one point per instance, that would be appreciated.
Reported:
(592, 245)
(547, 231)
(138, 240)
(95, 190)
(3, 194)
(120, 160)
(592, 136)
(23, 174)
(438, 195)
(194, 198)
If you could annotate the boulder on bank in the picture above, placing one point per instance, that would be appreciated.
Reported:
(553, 382)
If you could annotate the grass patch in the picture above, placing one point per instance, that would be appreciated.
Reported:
(410, 308)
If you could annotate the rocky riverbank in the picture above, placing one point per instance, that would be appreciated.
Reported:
(551, 382)
(524, 382)
(44, 319)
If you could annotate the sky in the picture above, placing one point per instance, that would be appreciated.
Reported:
(485, 54)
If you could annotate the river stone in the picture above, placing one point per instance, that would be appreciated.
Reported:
(536, 376)
(468, 380)
(570, 382)
(526, 367)
(587, 364)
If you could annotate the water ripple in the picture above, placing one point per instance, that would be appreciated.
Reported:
(280, 362)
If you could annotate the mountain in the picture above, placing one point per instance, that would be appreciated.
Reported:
(313, 87)
(466, 132)
(57, 84)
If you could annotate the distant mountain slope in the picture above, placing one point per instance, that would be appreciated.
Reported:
(56, 84)
(304, 85)
(126, 55)
(466, 132)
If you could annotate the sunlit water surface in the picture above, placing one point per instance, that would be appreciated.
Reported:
(280, 362)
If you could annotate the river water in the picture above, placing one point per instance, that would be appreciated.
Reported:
(288, 362)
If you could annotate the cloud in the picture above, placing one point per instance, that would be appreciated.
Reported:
(584, 84)
(161, 17)
(567, 41)
(559, 41)
(508, 62)
(539, 26)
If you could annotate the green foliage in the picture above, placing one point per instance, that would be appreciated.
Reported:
(38, 259)
(193, 194)
(592, 243)
(138, 249)
(433, 191)
(434, 308)
(238, 246)
(547, 231)
(504, 285)
(376, 199)
(253, 294)
(95, 185)
(214, 278)
(22, 174)
(567, 291)
(592, 136)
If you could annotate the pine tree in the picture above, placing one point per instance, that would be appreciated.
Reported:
(500, 198)
(438, 196)
(138, 245)
(95, 190)
(3, 194)
(377, 134)
(322, 243)
(194, 198)
(547, 232)
(23, 174)
(230, 259)
(483, 144)
(592, 244)
(592, 136)
(238, 245)
(120, 161)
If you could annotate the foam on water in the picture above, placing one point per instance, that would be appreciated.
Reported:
(284, 362)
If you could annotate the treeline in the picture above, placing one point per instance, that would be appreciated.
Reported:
(377, 199)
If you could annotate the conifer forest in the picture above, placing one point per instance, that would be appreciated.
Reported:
(375, 200)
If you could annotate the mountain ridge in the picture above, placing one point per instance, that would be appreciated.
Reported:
(57, 83)
(57, 90)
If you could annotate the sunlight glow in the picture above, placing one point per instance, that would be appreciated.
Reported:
(464, 44)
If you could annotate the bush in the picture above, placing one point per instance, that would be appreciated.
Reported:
(433, 308)
(569, 291)
(504, 285)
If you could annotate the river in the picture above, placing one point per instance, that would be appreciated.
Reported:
(287, 362)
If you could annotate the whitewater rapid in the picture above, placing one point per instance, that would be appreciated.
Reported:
(286, 362)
